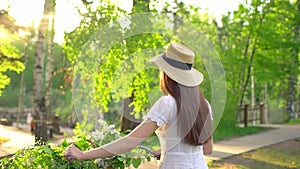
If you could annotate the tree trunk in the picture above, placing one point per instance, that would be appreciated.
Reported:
(49, 67)
(245, 84)
(128, 122)
(297, 116)
(248, 74)
(266, 105)
(40, 117)
(298, 38)
(253, 100)
(293, 80)
(290, 107)
(21, 87)
(244, 56)
(178, 21)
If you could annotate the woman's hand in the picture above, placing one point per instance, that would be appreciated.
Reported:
(156, 153)
(73, 153)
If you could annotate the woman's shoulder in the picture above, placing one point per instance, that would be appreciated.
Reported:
(166, 102)
(167, 99)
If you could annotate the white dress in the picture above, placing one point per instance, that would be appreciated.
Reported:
(175, 154)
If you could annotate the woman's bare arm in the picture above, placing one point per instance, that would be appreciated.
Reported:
(208, 146)
(124, 144)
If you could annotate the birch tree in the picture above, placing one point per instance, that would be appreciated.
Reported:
(40, 115)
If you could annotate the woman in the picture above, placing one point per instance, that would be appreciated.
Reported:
(182, 119)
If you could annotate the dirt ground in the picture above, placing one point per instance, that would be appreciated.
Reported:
(284, 155)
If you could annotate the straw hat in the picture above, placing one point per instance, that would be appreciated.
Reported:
(177, 63)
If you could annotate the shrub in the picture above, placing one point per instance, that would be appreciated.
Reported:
(52, 156)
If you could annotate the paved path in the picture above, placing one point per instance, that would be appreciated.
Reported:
(243, 144)
(222, 149)
(18, 140)
(22, 138)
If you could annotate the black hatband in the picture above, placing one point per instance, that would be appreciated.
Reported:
(177, 64)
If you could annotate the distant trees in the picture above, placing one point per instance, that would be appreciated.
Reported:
(258, 39)
(10, 56)
(258, 44)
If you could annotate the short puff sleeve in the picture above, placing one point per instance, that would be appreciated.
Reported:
(161, 110)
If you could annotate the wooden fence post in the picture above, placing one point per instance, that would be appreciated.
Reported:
(245, 115)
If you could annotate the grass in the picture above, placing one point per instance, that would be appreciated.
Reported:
(227, 132)
(3, 140)
(296, 121)
(283, 155)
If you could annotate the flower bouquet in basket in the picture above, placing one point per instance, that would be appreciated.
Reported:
(106, 134)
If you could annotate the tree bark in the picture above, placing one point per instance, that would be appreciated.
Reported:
(266, 110)
(40, 117)
(293, 80)
(178, 21)
(253, 100)
(297, 116)
(298, 21)
(128, 122)
(21, 87)
(290, 107)
(245, 84)
(49, 67)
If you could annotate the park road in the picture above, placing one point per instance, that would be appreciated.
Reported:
(18, 140)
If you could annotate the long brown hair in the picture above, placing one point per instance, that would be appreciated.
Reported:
(194, 122)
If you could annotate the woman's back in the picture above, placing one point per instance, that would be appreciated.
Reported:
(175, 153)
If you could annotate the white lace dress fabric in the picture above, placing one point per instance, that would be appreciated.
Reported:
(175, 154)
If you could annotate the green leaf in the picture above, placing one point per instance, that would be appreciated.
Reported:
(47, 149)
(120, 158)
(148, 158)
(65, 143)
(10, 51)
(63, 166)
(136, 162)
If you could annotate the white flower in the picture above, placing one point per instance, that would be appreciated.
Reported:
(97, 135)
(113, 131)
(102, 122)
(111, 127)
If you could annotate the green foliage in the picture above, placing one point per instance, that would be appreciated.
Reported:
(266, 31)
(10, 55)
(9, 61)
(52, 156)
(121, 72)
(229, 114)
(104, 135)
(43, 156)
(92, 20)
